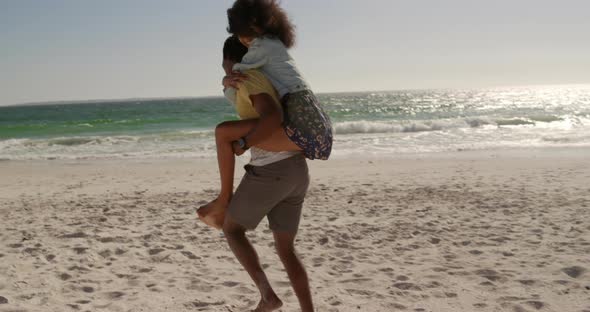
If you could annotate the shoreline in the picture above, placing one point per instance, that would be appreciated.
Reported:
(543, 151)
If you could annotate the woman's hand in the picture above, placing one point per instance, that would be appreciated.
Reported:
(233, 80)
(237, 149)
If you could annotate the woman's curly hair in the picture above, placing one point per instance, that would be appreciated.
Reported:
(253, 18)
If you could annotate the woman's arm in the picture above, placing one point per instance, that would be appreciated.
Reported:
(256, 57)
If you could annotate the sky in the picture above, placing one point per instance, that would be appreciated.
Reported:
(111, 49)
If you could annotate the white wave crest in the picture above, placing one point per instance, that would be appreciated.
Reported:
(352, 127)
(399, 126)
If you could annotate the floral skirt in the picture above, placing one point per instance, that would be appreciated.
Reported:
(307, 124)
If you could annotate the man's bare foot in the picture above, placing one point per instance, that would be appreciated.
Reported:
(270, 305)
(213, 213)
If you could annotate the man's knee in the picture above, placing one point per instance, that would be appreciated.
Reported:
(231, 228)
(287, 255)
(285, 248)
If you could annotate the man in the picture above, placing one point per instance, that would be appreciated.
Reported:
(274, 185)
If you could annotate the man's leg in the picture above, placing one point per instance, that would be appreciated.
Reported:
(244, 251)
(284, 242)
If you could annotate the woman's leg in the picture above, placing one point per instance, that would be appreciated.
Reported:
(225, 133)
(213, 213)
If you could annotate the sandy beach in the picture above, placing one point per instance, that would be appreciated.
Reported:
(465, 231)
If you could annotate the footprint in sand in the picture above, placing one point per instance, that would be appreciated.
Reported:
(190, 255)
(538, 305)
(80, 250)
(88, 289)
(489, 274)
(433, 284)
(245, 290)
(574, 271)
(230, 284)
(73, 306)
(75, 235)
(155, 251)
(203, 304)
(318, 261)
(106, 253)
(120, 251)
(527, 282)
(402, 278)
(114, 295)
(334, 301)
(79, 269)
(406, 286)
(199, 285)
(64, 276)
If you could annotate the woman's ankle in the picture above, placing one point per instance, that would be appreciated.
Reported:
(224, 198)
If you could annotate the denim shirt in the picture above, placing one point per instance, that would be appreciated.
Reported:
(270, 56)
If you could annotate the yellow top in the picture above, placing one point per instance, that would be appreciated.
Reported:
(256, 83)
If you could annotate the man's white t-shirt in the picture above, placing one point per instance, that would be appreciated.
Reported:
(262, 157)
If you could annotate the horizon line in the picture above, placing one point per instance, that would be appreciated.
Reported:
(130, 99)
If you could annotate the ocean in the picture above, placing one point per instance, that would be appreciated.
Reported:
(367, 123)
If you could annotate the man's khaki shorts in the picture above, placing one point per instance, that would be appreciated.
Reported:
(276, 190)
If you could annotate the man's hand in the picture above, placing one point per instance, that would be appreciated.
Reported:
(237, 149)
(233, 80)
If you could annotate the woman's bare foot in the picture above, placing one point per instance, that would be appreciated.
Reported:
(272, 304)
(213, 213)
